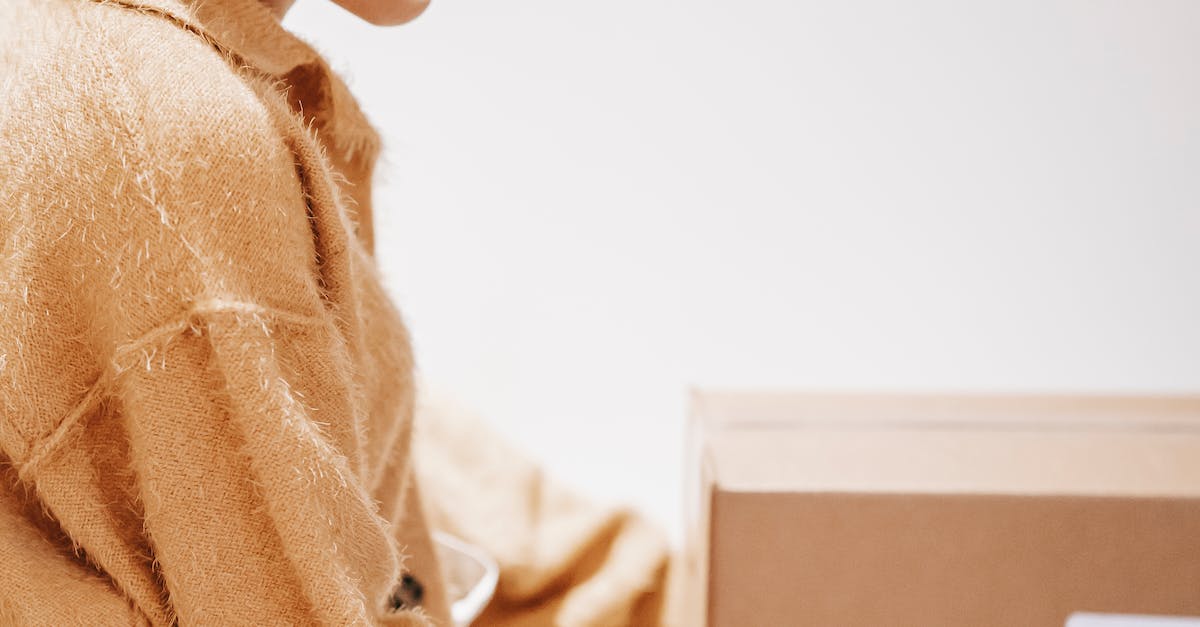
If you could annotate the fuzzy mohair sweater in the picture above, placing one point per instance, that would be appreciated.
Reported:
(206, 396)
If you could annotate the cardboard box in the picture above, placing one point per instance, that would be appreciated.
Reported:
(813, 509)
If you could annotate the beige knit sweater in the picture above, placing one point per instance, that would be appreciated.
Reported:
(206, 397)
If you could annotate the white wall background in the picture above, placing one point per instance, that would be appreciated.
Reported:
(589, 206)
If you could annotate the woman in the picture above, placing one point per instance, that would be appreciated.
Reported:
(207, 397)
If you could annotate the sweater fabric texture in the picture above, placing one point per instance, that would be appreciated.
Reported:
(206, 395)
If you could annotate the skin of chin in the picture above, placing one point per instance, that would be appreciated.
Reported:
(385, 12)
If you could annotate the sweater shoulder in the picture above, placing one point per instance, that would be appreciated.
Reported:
(98, 96)
(145, 178)
(79, 72)
(144, 171)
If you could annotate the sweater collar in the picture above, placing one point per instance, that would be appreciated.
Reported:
(249, 35)
(243, 29)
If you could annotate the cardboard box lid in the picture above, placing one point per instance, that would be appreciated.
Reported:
(1141, 446)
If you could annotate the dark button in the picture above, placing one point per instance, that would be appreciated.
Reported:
(408, 594)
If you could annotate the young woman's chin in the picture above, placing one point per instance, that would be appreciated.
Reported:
(385, 12)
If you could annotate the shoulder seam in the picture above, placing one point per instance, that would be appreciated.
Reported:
(210, 306)
(41, 447)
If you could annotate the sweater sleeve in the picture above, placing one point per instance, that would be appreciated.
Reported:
(243, 410)
(214, 471)
(254, 512)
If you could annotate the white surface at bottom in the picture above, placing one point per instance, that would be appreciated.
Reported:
(1081, 619)
(463, 560)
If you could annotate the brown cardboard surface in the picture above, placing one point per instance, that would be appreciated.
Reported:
(841, 510)
(985, 460)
